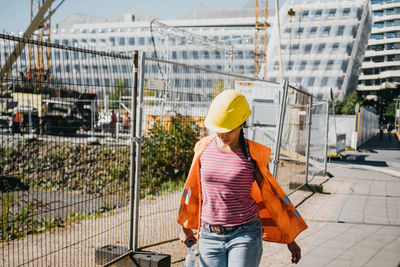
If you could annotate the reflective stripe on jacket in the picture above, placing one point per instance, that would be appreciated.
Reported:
(280, 220)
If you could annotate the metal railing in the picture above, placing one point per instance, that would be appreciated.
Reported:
(65, 163)
(76, 177)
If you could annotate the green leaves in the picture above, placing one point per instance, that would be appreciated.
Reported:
(167, 153)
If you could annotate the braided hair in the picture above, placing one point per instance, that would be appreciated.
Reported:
(242, 142)
(243, 146)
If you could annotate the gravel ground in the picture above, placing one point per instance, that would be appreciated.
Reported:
(75, 244)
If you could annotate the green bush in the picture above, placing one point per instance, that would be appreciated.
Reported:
(167, 154)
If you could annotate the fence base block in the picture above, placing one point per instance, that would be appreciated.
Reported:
(150, 259)
(310, 187)
(107, 253)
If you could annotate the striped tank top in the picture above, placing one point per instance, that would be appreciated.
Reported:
(226, 180)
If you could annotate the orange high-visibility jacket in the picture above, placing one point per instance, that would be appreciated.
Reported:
(280, 220)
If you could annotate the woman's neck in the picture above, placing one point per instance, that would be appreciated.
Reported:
(228, 147)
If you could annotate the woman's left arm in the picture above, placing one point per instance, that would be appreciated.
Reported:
(296, 252)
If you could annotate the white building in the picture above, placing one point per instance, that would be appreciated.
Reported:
(322, 48)
(381, 66)
(323, 45)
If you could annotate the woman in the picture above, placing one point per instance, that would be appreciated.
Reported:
(231, 197)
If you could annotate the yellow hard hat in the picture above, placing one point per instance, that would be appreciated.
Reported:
(228, 111)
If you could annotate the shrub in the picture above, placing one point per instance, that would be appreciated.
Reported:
(167, 153)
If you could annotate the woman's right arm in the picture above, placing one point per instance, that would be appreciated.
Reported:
(186, 235)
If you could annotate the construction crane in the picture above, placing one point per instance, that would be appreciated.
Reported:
(40, 16)
(260, 32)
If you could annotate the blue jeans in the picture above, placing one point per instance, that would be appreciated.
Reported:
(239, 248)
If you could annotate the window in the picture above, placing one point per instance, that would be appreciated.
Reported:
(294, 49)
(313, 30)
(324, 81)
(131, 41)
(205, 54)
(378, 13)
(339, 83)
(321, 48)
(303, 65)
(346, 11)
(326, 30)
(195, 54)
(391, 35)
(112, 41)
(184, 54)
(378, 59)
(318, 13)
(390, 46)
(316, 64)
(276, 66)
(305, 13)
(65, 42)
(335, 48)
(377, 36)
(378, 24)
(311, 81)
(390, 11)
(329, 65)
(198, 83)
(389, 23)
(141, 41)
(239, 55)
(173, 54)
(332, 13)
(377, 47)
(390, 58)
(83, 41)
(250, 55)
(307, 49)
(290, 65)
(340, 31)
(92, 40)
(300, 31)
(217, 54)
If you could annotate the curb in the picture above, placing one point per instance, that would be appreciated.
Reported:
(378, 169)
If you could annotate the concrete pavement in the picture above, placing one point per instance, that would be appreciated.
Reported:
(357, 221)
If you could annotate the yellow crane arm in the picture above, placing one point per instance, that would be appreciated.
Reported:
(36, 22)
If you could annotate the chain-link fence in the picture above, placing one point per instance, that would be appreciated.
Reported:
(65, 153)
(68, 147)
(303, 138)
(176, 98)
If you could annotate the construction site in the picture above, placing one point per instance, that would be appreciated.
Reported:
(97, 137)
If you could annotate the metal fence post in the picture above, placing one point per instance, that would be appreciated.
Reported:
(278, 137)
(326, 139)
(308, 137)
(138, 139)
(132, 148)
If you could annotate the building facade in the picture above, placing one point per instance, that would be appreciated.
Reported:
(381, 66)
(323, 45)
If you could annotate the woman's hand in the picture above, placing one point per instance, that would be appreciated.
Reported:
(186, 235)
(296, 252)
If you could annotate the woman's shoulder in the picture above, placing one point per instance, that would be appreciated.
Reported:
(257, 145)
(203, 142)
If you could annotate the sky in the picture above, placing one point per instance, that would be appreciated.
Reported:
(15, 14)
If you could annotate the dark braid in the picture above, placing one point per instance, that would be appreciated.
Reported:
(242, 143)
(243, 146)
